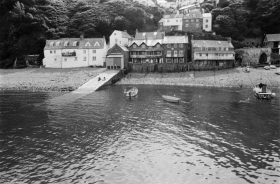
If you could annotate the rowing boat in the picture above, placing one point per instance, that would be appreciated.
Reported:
(131, 92)
(170, 98)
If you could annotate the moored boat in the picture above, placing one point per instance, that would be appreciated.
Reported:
(170, 98)
(131, 92)
(266, 68)
(272, 66)
(262, 92)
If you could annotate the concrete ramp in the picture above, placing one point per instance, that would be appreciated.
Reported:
(94, 84)
(87, 88)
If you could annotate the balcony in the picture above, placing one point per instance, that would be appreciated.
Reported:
(68, 54)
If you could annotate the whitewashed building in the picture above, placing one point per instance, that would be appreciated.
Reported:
(75, 52)
(207, 21)
(122, 38)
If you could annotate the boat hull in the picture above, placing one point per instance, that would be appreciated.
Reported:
(170, 99)
(132, 92)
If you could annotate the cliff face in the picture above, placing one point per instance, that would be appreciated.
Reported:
(253, 56)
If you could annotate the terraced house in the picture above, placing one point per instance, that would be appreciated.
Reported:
(75, 52)
(146, 48)
(210, 54)
(175, 49)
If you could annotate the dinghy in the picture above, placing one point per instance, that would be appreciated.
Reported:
(262, 92)
(131, 92)
(170, 98)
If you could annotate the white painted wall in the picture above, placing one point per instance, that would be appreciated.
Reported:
(116, 37)
(212, 56)
(55, 60)
(207, 20)
(173, 22)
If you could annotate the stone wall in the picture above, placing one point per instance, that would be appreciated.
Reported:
(178, 67)
(251, 56)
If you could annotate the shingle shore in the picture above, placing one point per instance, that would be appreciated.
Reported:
(235, 77)
(70, 79)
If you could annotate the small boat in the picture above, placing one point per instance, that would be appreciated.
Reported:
(261, 92)
(277, 73)
(170, 98)
(266, 68)
(131, 92)
(272, 66)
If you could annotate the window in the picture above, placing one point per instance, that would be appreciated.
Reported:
(175, 45)
(168, 52)
(175, 52)
(187, 25)
(181, 52)
(194, 15)
(275, 44)
(116, 40)
(187, 20)
(51, 44)
(206, 54)
(66, 44)
(197, 25)
(197, 20)
(75, 43)
(87, 44)
(180, 45)
(200, 55)
(206, 26)
(65, 59)
(76, 58)
(54, 51)
(57, 44)
(158, 45)
(168, 45)
(206, 20)
(50, 51)
(96, 44)
(54, 59)
(167, 20)
(93, 51)
(85, 58)
(143, 46)
(134, 46)
(85, 51)
(226, 49)
(168, 60)
(181, 60)
(192, 20)
(176, 20)
(175, 60)
(94, 58)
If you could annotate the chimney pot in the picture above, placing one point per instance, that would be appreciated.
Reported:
(81, 37)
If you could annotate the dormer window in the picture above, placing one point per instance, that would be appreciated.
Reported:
(87, 44)
(51, 44)
(143, 46)
(57, 44)
(75, 43)
(134, 46)
(96, 44)
(66, 44)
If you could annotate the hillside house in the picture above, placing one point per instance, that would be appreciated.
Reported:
(75, 52)
(121, 38)
(273, 41)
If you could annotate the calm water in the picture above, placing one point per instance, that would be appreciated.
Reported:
(213, 136)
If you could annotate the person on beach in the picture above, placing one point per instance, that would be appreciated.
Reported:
(99, 78)
(104, 78)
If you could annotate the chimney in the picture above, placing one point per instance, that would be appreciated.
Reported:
(146, 38)
(81, 37)
(125, 31)
(136, 31)
(229, 39)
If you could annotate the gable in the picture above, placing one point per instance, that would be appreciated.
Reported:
(87, 44)
(96, 44)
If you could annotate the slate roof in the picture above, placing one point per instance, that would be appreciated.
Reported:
(148, 42)
(123, 33)
(192, 12)
(149, 35)
(175, 39)
(272, 37)
(86, 43)
(211, 43)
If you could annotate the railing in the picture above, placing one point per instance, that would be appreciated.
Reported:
(69, 54)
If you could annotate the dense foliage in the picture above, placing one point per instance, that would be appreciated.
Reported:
(26, 24)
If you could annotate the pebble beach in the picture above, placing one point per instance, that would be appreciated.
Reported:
(44, 79)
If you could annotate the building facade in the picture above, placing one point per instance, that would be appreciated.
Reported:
(193, 21)
(117, 57)
(209, 54)
(75, 52)
(207, 22)
(273, 41)
(175, 49)
(171, 22)
(121, 38)
(189, 2)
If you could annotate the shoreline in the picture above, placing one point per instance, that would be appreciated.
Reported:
(66, 80)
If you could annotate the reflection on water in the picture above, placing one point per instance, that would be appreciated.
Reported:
(212, 136)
